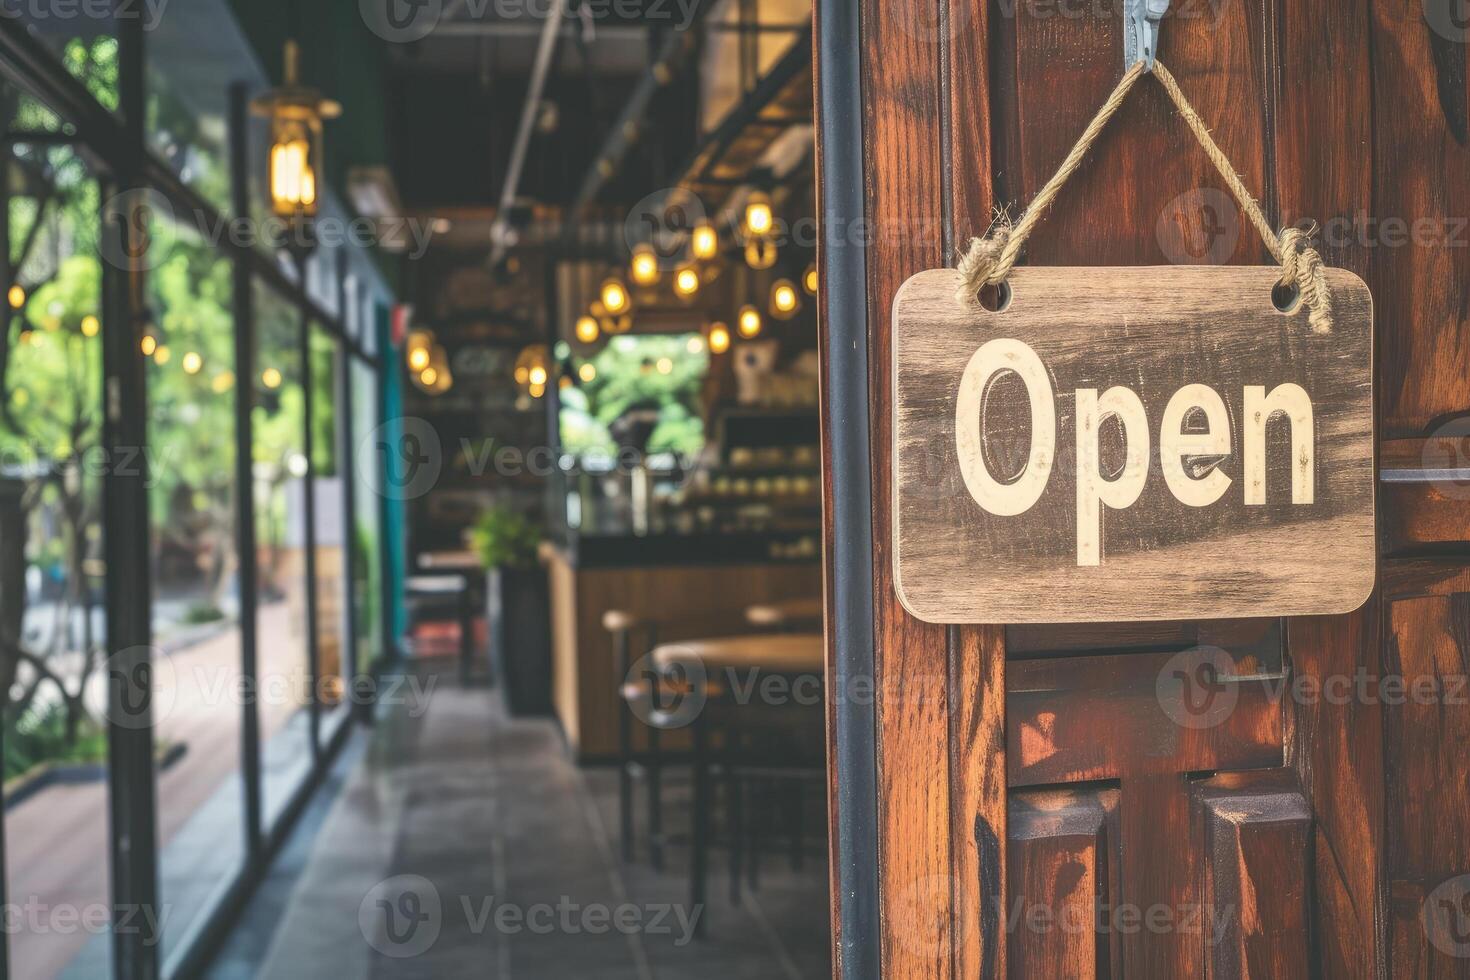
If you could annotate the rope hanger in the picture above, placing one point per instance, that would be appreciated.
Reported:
(989, 260)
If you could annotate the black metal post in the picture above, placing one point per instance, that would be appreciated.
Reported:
(243, 303)
(132, 790)
(846, 443)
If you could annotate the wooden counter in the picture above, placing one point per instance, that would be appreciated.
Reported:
(584, 690)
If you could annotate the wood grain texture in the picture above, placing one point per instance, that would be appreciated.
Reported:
(1062, 872)
(1336, 747)
(979, 815)
(1256, 835)
(1421, 179)
(903, 165)
(1154, 330)
(1427, 723)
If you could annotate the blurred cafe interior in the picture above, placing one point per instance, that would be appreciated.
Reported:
(473, 580)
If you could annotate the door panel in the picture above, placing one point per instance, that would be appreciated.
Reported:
(1043, 770)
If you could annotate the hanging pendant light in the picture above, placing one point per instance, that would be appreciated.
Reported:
(295, 112)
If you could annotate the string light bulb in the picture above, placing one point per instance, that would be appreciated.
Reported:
(704, 241)
(760, 253)
(809, 279)
(192, 363)
(686, 281)
(643, 269)
(614, 297)
(271, 377)
(718, 338)
(758, 216)
(91, 326)
(749, 322)
(587, 330)
(16, 296)
(784, 301)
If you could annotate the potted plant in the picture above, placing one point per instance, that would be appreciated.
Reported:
(518, 609)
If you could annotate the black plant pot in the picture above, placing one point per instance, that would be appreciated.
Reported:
(519, 614)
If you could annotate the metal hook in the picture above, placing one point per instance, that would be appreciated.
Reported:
(1141, 31)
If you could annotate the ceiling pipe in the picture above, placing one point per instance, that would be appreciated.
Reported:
(550, 30)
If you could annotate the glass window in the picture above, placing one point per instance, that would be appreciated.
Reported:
(193, 54)
(52, 615)
(85, 44)
(331, 527)
(633, 373)
(280, 469)
(196, 631)
(366, 568)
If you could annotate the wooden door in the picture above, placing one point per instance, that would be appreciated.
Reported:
(1025, 780)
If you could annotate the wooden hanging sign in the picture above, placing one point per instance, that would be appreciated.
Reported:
(1131, 444)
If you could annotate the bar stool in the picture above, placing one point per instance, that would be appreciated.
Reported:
(721, 662)
(447, 589)
(638, 700)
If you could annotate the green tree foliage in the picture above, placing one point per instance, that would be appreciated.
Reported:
(630, 371)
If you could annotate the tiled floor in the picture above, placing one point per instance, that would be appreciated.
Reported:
(463, 843)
